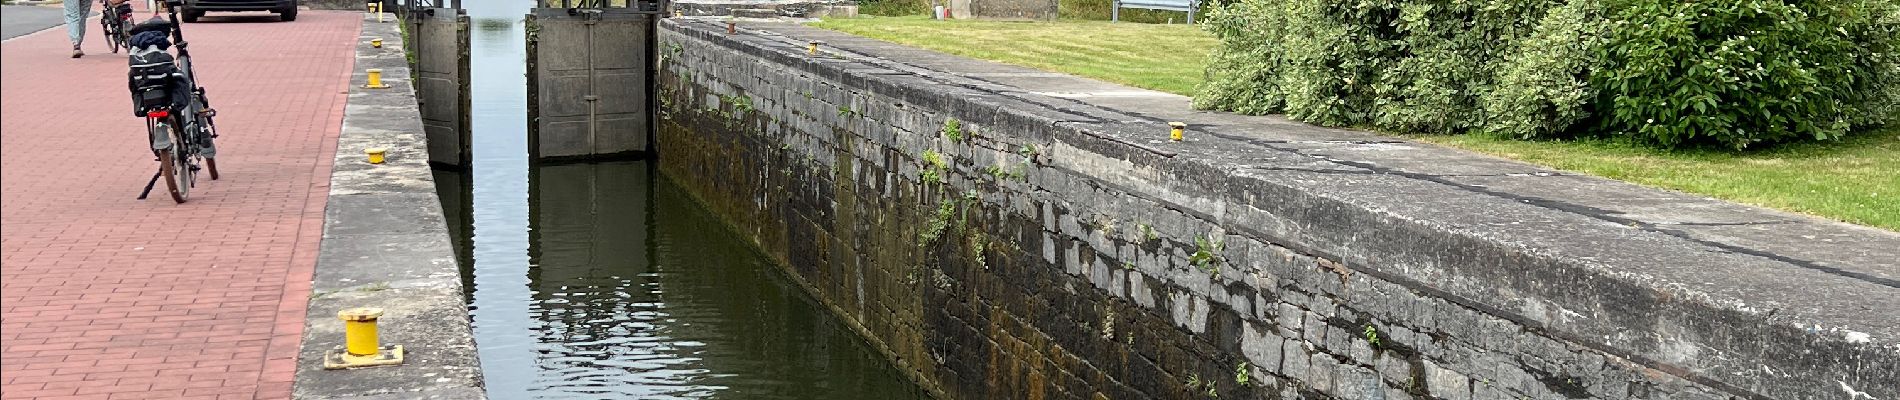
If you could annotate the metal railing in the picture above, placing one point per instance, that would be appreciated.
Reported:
(638, 5)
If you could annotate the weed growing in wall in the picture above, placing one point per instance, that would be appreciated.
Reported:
(1195, 383)
(935, 227)
(953, 129)
(1372, 335)
(934, 167)
(1206, 255)
(1241, 374)
(740, 103)
(979, 244)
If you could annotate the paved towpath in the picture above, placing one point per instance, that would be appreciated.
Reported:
(106, 297)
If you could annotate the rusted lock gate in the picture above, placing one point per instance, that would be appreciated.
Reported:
(590, 86)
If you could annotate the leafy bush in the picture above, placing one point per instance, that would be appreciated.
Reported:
(1543, 87)
(1742, 72)
(894, 8)
(1735, 73)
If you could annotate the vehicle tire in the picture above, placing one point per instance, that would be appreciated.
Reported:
(288, 14)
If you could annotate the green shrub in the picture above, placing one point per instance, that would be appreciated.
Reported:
(1734, 73)
(1543, 87)
(894, 8)
(1244, 74)
(1739, 73)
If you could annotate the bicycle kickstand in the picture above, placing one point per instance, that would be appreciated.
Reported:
(150, 184)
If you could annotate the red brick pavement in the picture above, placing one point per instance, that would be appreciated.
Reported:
(106, 297)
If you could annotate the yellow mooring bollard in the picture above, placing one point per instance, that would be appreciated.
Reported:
(360, 347)
(376, 42)
(1175, 129)
(376, 79)
(375, 154)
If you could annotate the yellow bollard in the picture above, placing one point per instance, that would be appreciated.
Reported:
(813, 49)
(1175, 129)
(375, 154)
(360, 344)
(359, 330)
(376, 79)
(377, 43)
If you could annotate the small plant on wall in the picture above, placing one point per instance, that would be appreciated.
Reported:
(953, 129)
(1206, 255)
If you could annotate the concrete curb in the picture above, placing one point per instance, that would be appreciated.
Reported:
(386, 244)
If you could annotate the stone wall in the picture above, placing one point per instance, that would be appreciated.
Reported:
(997, 245)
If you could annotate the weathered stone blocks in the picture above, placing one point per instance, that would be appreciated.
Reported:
(1110, 267)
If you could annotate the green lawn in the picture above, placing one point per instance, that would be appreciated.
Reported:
(1856, 180)
(1125, 53)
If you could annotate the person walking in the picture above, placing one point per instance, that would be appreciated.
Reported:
(76, 12)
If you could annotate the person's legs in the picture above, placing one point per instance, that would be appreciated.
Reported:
(76, 11)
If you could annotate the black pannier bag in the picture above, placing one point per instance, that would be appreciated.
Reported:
(153, 78)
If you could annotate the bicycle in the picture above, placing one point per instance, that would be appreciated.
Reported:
(181, 130)
(113, 20)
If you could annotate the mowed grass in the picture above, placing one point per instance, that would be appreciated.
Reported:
(1855, 180)
(1149, 56)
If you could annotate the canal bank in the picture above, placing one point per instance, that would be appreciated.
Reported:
(386, 245)
(1003, 232)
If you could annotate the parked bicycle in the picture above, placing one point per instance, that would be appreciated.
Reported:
(114, 20)
(178, 116)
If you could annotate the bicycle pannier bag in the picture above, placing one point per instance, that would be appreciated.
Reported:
(154, 80)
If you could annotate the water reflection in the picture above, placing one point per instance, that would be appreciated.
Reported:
(594, 281)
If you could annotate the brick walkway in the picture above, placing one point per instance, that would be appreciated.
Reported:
(108, 297)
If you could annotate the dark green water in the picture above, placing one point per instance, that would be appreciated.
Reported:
(605, 281)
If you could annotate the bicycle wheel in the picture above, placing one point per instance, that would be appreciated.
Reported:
(176, 165)
(105, 29)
